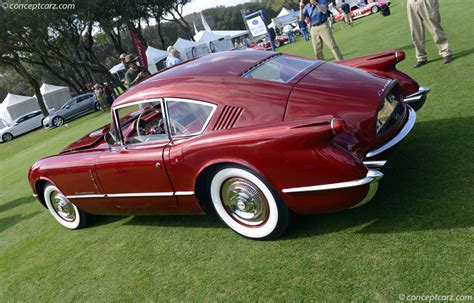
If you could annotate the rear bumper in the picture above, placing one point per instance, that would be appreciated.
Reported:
(398, 138)
(417, 99)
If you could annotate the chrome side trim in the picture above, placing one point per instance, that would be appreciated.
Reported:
(372, 176)
(161, 194)
(375, 164)
(399, 137)
(86, 196)
(184, 193)
(423, 90)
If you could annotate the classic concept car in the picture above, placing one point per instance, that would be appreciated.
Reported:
(251, 135)
(72, 109)
(21, 125)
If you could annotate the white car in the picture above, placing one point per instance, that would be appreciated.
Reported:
(21, 125)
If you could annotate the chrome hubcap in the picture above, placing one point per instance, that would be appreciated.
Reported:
(244, 201)
(63, 207)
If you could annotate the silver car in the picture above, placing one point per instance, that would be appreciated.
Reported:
(72, 109)
(21, 125)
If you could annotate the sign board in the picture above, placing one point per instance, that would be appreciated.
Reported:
(256, 26)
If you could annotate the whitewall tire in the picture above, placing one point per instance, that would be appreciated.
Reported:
(64, 211)
(246, 204)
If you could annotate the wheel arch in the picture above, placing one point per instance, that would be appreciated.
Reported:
(39, 188)
(204, 176)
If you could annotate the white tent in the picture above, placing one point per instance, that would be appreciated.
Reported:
(117, 68)
(55, 96)
(155, 56)
(216, 43)
(14, 106)
(286, 16)
(189, 49)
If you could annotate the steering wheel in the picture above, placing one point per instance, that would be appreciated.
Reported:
(149, 127)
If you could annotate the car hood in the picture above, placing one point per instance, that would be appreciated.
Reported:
(90, 140)
(343, 92)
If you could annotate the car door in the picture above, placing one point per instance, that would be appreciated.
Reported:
(83, 104)
(19, 126)
(72, 109)
(132, 172)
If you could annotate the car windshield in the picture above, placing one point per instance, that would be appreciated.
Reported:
(278, 68)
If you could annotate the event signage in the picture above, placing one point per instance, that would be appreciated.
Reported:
(256, 26)
(140, 49)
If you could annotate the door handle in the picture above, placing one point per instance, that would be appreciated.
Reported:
(157, 165)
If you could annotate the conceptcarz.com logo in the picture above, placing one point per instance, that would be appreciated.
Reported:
(36, 6)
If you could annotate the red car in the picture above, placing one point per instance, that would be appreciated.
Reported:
(362, 10)
(251, 135)
(264, 44)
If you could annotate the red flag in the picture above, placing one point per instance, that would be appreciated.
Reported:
(139, 49)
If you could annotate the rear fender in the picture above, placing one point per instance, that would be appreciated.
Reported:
(384, 65)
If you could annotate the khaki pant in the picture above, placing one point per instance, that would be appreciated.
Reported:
(421, 14)
(322, 33)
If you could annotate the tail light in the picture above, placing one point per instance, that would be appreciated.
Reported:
(400, 56)
(337, 126)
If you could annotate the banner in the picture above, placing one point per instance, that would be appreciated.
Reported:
(256, 26)
(139, 49)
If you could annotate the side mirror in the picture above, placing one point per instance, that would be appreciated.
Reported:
(109, 138)
(68, 106)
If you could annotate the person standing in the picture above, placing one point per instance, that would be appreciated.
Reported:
(303, 29)
(425, 13)
(173, 57)
(346, 8)
(134, 73)
(288, 29)
(317, 12)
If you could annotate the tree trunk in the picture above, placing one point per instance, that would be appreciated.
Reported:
(160, 34)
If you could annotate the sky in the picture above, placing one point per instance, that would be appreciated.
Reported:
(200, 5)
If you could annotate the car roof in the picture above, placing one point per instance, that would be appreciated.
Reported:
(230, 64)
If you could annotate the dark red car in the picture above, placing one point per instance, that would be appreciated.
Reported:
(249, 134)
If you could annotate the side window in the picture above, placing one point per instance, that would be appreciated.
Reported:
(22, 119)
(188, 118)
(142, 122)
(83, 98)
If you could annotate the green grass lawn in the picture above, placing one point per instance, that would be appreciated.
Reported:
(416, 236)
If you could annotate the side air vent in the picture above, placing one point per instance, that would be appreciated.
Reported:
(228, 117)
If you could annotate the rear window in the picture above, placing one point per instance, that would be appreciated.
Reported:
(278, 68)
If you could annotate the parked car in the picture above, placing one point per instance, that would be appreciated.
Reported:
(72, 109)
(359, 10)
(251, 135)
(21, 125)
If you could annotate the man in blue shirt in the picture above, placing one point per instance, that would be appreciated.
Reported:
(317, 12)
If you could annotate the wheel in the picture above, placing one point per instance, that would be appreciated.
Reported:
(66, 213)
(277, 43)
(97, 106)
(375, 9)
(7, 137)
(58, 121)
(246, 204)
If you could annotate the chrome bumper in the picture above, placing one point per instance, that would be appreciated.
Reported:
(399, 137)
(373, 176)
(417, 99)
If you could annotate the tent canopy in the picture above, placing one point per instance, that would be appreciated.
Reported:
(216, 43)
(286, 16)
(117, 68)
(154, 56)
(55, 96)
(189, 49)
(14, 106)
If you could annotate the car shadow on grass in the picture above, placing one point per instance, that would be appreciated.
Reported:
(14, 203)
(427, 186)
(6, 223)
(206, 221)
